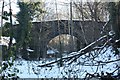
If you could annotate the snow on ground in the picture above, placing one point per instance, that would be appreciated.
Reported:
(5, 41)
(29, 69)
(45, 72)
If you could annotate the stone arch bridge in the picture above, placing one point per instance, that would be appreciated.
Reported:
(43, 32)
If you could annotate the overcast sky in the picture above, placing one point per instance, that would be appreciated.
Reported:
(62, 5)
(50, 4)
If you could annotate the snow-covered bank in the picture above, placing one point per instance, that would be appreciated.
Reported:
(78, 69)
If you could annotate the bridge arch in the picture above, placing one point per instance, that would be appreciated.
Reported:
(47, 30)
(67, 42)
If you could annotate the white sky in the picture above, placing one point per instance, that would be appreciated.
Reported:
(13, 5)
(15, 8)
(61, 8)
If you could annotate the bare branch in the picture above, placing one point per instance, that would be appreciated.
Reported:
(108, 61)
(79, 53)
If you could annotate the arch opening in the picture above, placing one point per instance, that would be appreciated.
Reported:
(63, 43)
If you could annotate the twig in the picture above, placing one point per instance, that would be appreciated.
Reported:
(108, 61)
